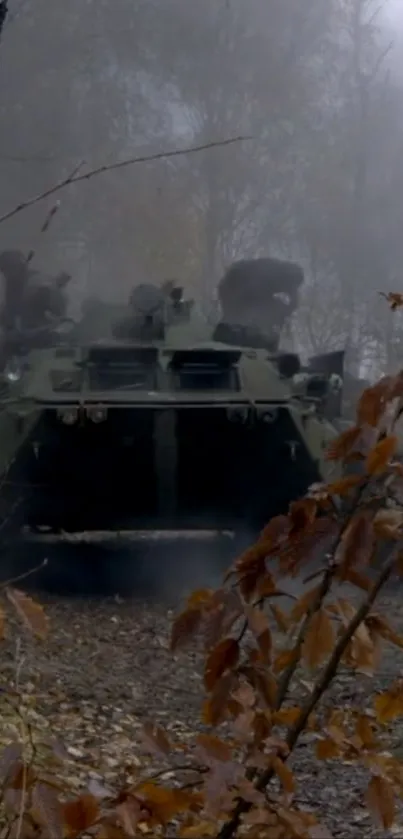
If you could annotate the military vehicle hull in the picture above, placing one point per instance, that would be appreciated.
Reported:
(148, 462)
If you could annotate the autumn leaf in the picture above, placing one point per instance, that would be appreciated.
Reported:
(394, 298)
(165, 803)
(380, 455)
(198, 830)
(80, 814)
(249, 572)
(343, 486)
(185, 627)
(319, 639)
(200, 598)
(281, 619)
(263, 682)
(373, 401)
(356, 578)
(223, 657)
(301, 514)
(266, 586)
(342, 445)
(214, 708)
(2, 624)
(284, 660)
(287, 716)
(327, 749)
(357, 542)
(377, 625)
(275, 531)
(389, 705)
(388, 524)
(30, 612)
(284, 774)
(259, 625)
(156, 739)
(46, 810)
(214, 747)
(303, 604)
(363, 730)
(381, 801)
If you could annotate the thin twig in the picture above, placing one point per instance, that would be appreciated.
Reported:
(329, 671)
(108, 167)
(23, 576)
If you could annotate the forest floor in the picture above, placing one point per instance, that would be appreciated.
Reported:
(107, 669)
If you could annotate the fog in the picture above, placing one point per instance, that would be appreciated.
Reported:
(318, 86)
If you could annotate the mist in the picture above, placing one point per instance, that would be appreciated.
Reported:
(318, 88)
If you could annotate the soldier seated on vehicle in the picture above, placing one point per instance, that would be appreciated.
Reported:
(176, 306)
(259, 295)
(146, 318)
(16, 274)
(32, 311)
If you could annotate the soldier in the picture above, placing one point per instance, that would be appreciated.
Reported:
(258, 295)
(16, 273)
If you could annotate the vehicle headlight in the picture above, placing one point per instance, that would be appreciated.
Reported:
(13, 370)
(68, 415)
(97, 414)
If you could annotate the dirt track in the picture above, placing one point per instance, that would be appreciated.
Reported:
(107, 669)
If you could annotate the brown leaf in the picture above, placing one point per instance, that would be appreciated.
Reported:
(377, 625)
(214, 747)
(80, 814)
(357, 542)
(129, 815)
(327, 749)
(381, 801)
(373, 401)
(214, 708)
(284, 774)
(388, 524)
(263, 682)
(287, 716)
(164, 803)
(395, 299)
(198, 830)
(202, 597)
(275, 531)
(223, 657)
(30, 612)
(342, 445)
(303, 604)
(10, 758)
(47, 810)
(302, 513)
(266, 586)
(185, 627)
(284, 660)
(389, 705)
(281, 619)
(2, 624)
(356, 578)
(156, 739)
(380, 455)
(343, 486)
(364, 730)
(319, 639)
(259, 625)
(250, 572)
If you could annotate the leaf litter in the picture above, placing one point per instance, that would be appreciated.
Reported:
(95, 693)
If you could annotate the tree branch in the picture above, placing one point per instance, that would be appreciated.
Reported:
(229, 829)
(99, 170)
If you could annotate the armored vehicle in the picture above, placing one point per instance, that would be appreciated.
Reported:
(155, 435)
